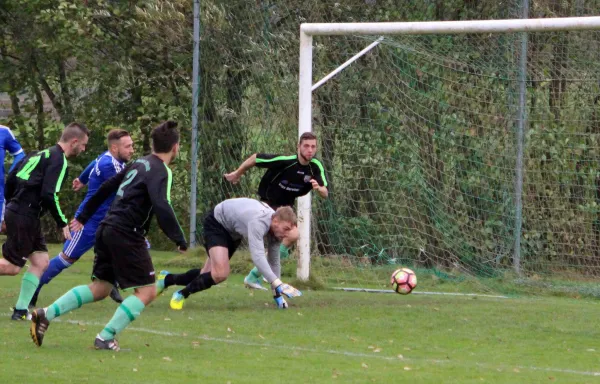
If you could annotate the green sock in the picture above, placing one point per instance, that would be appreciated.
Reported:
(71, 300)
(128, 311)
(254, 273)
(29, 284)
(284, 252)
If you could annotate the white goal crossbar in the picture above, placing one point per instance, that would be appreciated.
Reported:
(308, 30)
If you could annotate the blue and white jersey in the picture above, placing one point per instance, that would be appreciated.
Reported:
(96, 173)
(9, 143)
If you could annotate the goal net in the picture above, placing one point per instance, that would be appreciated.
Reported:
(448, 154)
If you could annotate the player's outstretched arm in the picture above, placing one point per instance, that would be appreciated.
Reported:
(107, 188)
(235, 176)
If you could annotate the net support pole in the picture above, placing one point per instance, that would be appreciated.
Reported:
(347, 63)
(195, 96)
(304, 125)
(521, 124)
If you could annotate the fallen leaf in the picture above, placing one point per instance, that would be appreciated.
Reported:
(261, 336)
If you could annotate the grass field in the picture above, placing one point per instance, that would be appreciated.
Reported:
(232, 335)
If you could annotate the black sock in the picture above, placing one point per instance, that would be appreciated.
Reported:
(181, 278)
(202, 282)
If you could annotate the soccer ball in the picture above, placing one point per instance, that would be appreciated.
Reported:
(403, 281)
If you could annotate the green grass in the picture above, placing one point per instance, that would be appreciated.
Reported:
(230, 334)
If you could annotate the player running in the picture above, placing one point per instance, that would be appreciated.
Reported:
(108, 164)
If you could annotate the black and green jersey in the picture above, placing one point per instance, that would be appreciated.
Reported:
(286, 179)
(143, 189)
(33, 185)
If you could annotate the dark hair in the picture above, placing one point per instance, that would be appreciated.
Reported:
(74, 131)
(164, 137)
(307, 136)
(116, 134)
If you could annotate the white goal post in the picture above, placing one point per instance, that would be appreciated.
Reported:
(308, 30)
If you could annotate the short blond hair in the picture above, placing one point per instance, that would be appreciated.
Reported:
(286, 214)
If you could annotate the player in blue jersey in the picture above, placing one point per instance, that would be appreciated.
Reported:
(9, 143)
(108, 164)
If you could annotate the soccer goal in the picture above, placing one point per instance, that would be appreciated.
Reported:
(464, 149)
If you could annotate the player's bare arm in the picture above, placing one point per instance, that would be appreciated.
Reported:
(235, 176)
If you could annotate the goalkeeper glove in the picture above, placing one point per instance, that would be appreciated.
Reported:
(280, 302)
(285, 289)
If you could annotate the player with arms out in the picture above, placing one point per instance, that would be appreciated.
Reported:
(32, 189)
(108, 164)
(224, 228)
(143, 189)
(286, 178)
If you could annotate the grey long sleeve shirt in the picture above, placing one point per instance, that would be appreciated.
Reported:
(251, 219)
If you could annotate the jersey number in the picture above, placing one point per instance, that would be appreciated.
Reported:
(25, 172)
(128, 179)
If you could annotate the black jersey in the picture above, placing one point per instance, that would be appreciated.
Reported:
(142, 189)
(32, 186)
(286, 179)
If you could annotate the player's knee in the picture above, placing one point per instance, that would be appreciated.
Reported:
(39, 264)
(11, 270)
(146, 294)
(219, 275)
(67, 258)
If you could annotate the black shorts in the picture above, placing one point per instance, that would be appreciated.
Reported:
(122, 257)
(215, 235)
(23, 237)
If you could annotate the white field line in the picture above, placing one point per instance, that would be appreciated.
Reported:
(340, 352)
(419, 292)
(335, 351)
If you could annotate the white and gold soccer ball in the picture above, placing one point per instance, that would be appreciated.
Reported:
(404, 281)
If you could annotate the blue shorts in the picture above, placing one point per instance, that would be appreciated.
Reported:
(80, 242)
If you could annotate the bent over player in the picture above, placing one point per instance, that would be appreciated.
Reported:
(224, 228)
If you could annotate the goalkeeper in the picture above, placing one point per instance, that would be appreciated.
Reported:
(286, 178)
(224, 228)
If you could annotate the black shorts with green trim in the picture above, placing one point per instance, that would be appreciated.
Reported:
(122, 257)
(24, 237)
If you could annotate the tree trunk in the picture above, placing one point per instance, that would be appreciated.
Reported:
(41, 117)
(64, 89)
